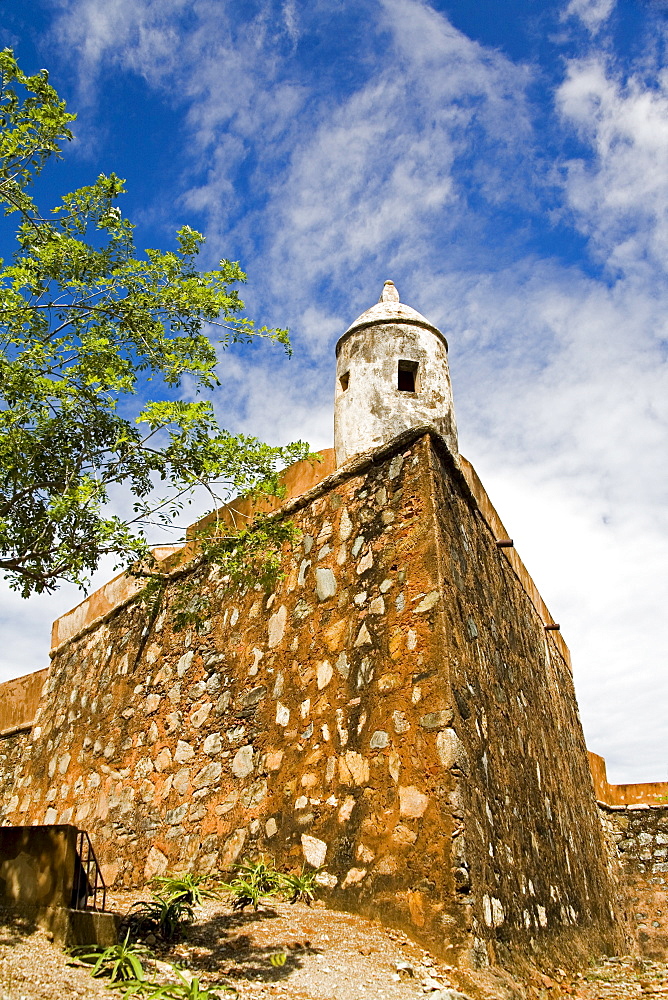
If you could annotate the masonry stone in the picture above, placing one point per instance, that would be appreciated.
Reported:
(213, 744)
(242, 765)
(325, 584)
(315, 851)
(184, 752)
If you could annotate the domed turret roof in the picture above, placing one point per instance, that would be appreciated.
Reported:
(389, 309)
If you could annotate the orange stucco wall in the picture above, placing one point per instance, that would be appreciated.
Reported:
(19, 699)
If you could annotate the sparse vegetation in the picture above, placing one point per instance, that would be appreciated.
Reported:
(255, 881)
(300, 888)
(171, 909)
(252, 882)
(185, 887)
(163, 918)
(185, 988)
(122, 962)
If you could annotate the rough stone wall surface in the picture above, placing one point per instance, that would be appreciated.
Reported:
(290, 723)
(391, 713)
(638, 844)
(12, 748)
(531, 843)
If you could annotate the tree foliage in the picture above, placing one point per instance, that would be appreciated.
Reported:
(88, 329)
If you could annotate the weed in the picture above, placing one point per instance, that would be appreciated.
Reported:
(121, 962)
(183, 887)
(300, 888)
(163, 917)
(252, 882)
(184, 989)
(171, 907)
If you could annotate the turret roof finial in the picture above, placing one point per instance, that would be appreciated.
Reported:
(390, 309)
(389, 293)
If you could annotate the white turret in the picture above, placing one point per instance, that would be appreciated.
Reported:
(391, 375)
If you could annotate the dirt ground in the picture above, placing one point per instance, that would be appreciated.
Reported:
(328, 956)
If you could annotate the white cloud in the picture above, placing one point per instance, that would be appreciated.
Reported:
(276, 401)
(291, 19)
(620, 196)
(25, 624)
(592, 13)
(222, 70)
(141, 35)
(377, 183)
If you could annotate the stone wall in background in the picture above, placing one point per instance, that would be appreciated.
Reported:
(638, 843)
(643, 793)
(12, 748)
(19, 702)
(289, 723)
(393, 713)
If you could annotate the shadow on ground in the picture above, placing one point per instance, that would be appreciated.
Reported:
(219, 944)
(216, 945)
(15, 925)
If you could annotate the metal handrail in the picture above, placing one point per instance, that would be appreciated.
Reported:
(88, 881)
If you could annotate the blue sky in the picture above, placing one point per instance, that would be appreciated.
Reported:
(507, 166)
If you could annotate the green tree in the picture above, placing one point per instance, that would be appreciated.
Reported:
(88, 328)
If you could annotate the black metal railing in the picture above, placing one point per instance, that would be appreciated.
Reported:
(88, 887)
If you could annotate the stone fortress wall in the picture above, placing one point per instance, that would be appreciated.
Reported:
(398, 711)
(381, 715)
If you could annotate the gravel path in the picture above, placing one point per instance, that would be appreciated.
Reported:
(328, 956)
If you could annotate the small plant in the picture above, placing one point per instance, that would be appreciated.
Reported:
(300, 888)
(171, 907)
(185, 888)
(121, 962)
(184, 989)
(133, 988)
(278, 960)
(252, 882)
(163, 917)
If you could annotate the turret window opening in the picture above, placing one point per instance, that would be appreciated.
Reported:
(344, 380)
(407, 376)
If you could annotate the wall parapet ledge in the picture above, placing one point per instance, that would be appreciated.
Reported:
(641, 807)
(19, 701)
(629, 797)
(498, 530)
(23, 728)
